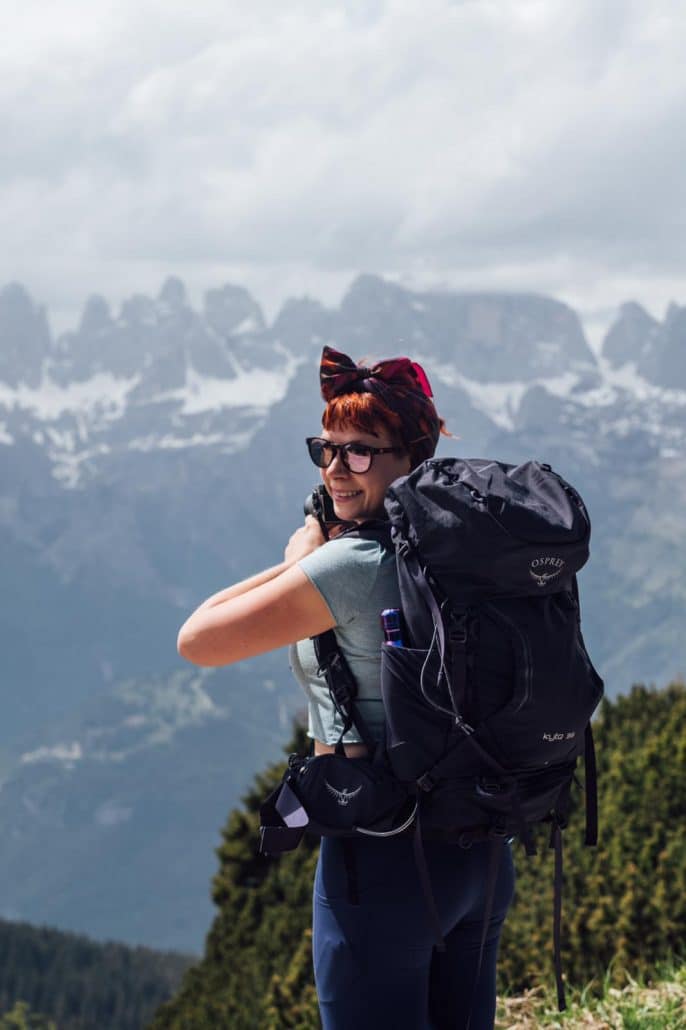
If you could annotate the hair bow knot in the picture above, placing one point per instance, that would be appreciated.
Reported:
(339, 374)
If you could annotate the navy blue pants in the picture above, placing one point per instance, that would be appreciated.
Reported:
(375, 964)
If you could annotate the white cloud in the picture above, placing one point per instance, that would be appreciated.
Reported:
(493, 143)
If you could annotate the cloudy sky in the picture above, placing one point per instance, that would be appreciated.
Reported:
(489, 144)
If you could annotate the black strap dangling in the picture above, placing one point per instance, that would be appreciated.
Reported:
(591, 788)
(556, 844)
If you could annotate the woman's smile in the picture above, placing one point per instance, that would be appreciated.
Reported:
(340, 495)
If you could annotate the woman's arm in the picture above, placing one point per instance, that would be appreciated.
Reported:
(245, 586)
(269, 610)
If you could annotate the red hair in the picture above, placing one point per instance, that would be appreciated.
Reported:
(368, 413)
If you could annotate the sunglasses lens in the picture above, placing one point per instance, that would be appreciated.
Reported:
(319, 452)
(358, 459)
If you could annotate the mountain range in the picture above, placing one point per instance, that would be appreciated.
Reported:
(155, 454)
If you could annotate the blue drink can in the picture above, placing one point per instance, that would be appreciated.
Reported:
(390, 622)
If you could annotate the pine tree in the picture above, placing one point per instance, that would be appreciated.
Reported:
(20, 1018)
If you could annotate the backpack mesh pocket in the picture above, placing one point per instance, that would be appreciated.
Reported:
(418, 714)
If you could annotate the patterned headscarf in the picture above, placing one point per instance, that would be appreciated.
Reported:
(401, 384)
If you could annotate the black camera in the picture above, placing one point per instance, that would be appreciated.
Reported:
(319, 504)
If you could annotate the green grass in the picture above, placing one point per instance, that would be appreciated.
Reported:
(658, 1004)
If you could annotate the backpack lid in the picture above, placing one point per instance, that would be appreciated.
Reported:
(485, 528)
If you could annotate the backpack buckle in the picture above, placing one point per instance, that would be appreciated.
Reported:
(489, 788)
(329, 662)
(457, 629)
(324, 666)
(498, 831)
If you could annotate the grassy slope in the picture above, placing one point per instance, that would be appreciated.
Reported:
(659, 1004)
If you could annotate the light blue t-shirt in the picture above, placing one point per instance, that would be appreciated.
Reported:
(357, 579)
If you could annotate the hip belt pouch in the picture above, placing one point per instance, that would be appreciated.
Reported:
(334, 796)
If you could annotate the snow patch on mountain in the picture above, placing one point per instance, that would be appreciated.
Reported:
(168, 442)
(501, 401)
(63, 754)
(146, 715)
(627, 378)
(256, 387)
(74, 422)
(250, 324)
(112, 813)
(67, 465)
(102, 396)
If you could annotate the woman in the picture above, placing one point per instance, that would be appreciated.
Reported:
(374, 961)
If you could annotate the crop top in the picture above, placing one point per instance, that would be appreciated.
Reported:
(357, 578)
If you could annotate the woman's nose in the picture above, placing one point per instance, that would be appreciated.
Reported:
(337, 464)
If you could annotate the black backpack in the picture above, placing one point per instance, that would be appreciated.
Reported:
(489, 698)
(488, 704)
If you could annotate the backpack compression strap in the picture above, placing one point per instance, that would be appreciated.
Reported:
(556, 845)
(590, 768)
(591, 788)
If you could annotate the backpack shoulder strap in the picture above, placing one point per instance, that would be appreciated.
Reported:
(372, 529)
(342, 686)
(331, 660)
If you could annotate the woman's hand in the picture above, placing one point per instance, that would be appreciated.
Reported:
(305, 540)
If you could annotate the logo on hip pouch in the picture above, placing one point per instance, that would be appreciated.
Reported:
(542, 570)
(343, 797)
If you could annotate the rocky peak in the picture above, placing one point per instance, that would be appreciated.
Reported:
(631, 336)
(490, 337)
(370, 292)
(304, 324)
(658, 349)
(24, 337)
(670, 359)
(173, 294)
(96, 316)
(231, 310)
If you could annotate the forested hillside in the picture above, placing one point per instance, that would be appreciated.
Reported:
(73, 983)
(624, 902)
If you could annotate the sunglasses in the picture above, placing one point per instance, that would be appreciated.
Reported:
(357, 457)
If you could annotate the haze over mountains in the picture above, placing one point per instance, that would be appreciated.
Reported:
(155, 454)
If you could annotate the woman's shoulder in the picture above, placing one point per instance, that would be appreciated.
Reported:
(350, 554)
(349, 571)
(356, 549)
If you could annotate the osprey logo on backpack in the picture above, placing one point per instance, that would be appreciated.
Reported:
(542, 570)
(343, 797)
